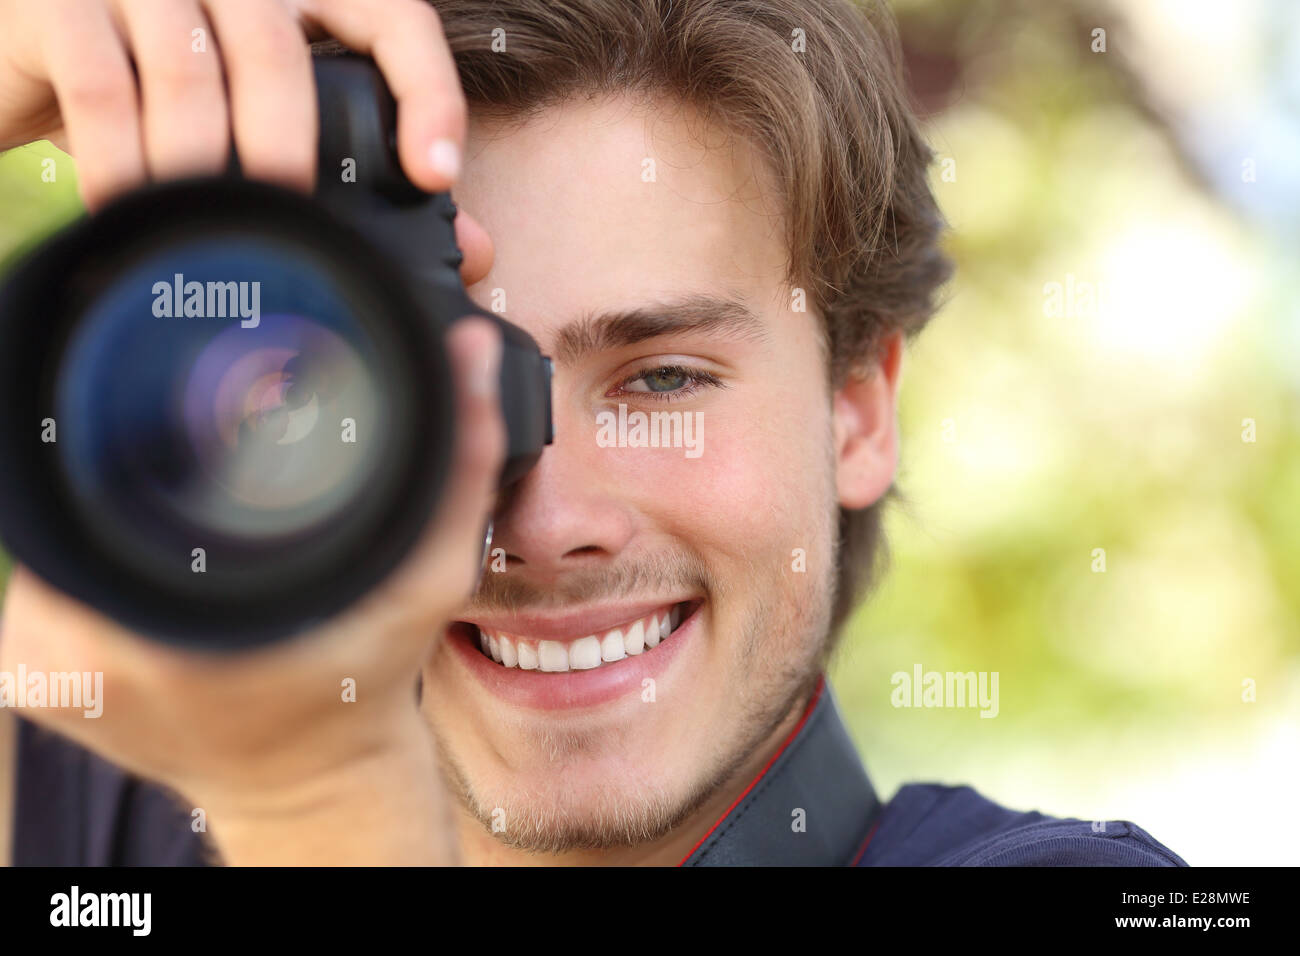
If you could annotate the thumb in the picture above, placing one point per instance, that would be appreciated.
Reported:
(450, 551)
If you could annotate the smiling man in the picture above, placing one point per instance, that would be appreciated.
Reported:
(702, 208)
(654, 643)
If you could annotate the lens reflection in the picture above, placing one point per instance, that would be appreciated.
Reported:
(252, 428)
(266, 423)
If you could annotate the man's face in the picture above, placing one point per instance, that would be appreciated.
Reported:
(641, 249)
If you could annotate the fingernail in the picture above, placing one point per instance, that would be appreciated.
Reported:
(444, 157)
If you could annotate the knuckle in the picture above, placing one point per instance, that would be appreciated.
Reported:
(275, 40)
(99, 89)
(181, 76)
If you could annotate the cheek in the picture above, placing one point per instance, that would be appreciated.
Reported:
(758, 491)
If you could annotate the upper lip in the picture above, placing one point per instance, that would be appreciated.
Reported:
(571, 624)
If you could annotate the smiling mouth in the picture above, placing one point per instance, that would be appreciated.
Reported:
(629, 639)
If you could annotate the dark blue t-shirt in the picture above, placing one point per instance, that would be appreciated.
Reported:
(932, 825)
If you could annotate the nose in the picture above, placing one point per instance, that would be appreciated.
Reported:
(563, 515)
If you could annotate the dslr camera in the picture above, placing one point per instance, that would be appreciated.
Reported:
(226, 407)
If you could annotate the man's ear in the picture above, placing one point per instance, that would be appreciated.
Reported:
(865, 422)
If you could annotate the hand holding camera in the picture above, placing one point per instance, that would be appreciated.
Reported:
(331, 563)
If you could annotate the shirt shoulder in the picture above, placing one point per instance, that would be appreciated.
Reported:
(72, 808)
(935, 825)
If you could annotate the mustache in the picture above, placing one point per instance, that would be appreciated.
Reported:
(670, 575)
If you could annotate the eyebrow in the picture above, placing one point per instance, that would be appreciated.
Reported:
(716, 315)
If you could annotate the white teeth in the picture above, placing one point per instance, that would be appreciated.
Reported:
(651, 632)
(553, 656)
(585, 653)
(527, 657)
(611, 647)
(634, 639)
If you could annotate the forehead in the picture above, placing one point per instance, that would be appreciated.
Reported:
(603, 204)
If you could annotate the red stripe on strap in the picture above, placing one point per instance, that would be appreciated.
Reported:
(865, 843)
(821, 682)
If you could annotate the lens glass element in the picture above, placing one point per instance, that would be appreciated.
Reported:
(225, 387)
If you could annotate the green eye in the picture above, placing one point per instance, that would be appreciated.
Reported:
(665, 379)
(670, 382)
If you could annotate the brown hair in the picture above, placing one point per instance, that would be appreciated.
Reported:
(832, 120)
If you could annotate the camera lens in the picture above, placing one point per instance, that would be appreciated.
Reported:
(230, 410)
(241, 409)
(252, 405)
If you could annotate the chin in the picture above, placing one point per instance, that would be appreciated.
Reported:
(593, 801)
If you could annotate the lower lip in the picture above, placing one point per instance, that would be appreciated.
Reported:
(572, 690)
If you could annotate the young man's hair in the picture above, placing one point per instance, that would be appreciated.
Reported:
(817, 86)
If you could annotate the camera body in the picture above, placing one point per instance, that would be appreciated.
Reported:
(227, 409)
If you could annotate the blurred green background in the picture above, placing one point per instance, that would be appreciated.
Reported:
(38, 193)
(1163, 172)
(1160, 174)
